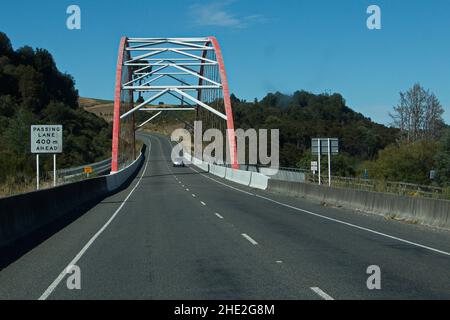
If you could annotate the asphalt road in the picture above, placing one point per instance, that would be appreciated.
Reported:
(177, 233)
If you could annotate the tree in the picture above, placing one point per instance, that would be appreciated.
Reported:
(418, 115)
(5, 45)
(442, 160)
(406, 162)
(34, 91)
(31, 87)
(25, 55)
(433, 122)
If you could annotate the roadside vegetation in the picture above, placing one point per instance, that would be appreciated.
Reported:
(401, 155)
(34, 91)
(415, 148)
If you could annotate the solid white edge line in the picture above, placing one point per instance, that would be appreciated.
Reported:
(224, 184)
(63, 273)
(246, 236)
(331, 219)
(321, 293)
(356, 226)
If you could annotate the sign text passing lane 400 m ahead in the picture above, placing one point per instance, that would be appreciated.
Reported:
(46, 139)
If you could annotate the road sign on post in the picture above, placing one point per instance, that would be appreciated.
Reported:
(46, 139)
(314, 166)
(88, 171)
(334, 144)
(329, 146)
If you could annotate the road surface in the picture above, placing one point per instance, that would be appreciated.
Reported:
(177, 233)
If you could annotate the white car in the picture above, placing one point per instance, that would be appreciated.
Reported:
(178, 162)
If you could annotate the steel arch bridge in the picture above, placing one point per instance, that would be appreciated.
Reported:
(191, 70)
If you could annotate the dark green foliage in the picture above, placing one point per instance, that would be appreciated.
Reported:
(5, 45)
(34, 91)
(442, 160)
(303, 116)
(403, 163)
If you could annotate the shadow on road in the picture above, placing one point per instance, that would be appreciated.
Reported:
(18, 248)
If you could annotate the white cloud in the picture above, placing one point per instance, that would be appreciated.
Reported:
(219, 14)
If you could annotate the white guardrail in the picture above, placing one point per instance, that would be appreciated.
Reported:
(98, 168)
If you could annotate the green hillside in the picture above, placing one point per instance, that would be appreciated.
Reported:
(34, 91)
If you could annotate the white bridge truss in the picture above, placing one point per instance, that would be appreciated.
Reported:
(170, 66)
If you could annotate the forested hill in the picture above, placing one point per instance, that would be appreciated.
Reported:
(304, 115)
(299, 117)
(34, 91)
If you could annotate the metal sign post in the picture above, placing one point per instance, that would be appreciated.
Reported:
(37, 172)
(329, 162)
(88, 171)
(46, 139)
(329, 146)
(54, 170)
(319, 153)
(314, 169)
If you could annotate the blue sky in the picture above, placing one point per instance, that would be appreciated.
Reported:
(268, 46)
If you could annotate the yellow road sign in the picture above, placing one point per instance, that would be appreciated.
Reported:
(88, 170)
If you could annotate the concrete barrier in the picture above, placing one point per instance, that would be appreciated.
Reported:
(426, 211)
(218, 171)
(24, 214)
(246, 178)
(238, 176)
(116, 180)
(200, 164)
(284, 175)
(259, 181)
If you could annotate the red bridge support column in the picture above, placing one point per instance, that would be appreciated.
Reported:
(117, 98)
(227, 101)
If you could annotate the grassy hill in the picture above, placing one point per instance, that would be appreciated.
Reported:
(166, 123)
(101, 108)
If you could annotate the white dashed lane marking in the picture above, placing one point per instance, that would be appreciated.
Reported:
(246, 236)
(218, 215)
(321, 293)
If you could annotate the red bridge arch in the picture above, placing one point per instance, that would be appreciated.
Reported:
(160, 59)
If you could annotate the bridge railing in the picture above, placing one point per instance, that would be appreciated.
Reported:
(396, 187)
